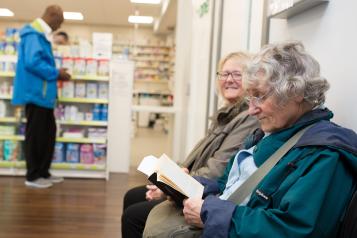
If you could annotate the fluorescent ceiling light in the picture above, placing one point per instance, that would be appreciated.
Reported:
(146, 1)
(4, 12)
(73, 16)
(140, 19)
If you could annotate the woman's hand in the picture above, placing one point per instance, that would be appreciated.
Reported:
(153, 193)
(192, 210)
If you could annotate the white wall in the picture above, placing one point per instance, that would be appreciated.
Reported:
(329, 34)
(199, 75)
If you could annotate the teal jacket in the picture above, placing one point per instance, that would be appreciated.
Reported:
(36, 73)
(304, 195)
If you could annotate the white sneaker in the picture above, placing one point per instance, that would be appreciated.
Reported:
(39, 183)
(55, 179)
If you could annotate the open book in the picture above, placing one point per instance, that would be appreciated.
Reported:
(170, 178)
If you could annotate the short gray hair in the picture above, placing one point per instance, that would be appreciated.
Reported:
(289, 71)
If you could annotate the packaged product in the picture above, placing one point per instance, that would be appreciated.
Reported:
(7, 130)
(74, 111)
(103, 90)
(1, 150)
(88, 116)
(99, 152)
(103, 67)
(5, 88)
(96, 112)
(67, 62)
(58, 61)
(80, 90)
(86, 154)
(12, 150)
(72, 153)
(59, 153)
(3, 108)
(79, 67)
(92, 90)
(91, 66)
(104, 113)
(68, 89)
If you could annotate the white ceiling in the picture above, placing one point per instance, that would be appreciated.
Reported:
(99, 12)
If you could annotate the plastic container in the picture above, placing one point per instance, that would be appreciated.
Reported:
(96, 112)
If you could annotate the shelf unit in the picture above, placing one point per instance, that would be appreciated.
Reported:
(82, 170)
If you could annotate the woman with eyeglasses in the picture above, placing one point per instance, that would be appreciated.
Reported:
(306, 193)
(230, 125)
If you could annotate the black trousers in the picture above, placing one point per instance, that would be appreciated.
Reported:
(135, 212)
(40, 137)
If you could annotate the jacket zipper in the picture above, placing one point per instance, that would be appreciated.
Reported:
(44, 89)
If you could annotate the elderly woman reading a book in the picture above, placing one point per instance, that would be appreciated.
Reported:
(303, 194)
(230, 126)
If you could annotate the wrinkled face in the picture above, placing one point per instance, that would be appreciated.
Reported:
(231, 89)
(271, 115)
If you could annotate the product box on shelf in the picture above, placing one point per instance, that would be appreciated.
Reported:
(79, 67)
(59, 154)
(103, 90)
(91, 66)
(12, 150)
(86, 154)
(68, 89)
(72, 153)
(80, 90)
(92, 90)
(103, 67)
(99, 152)
(67, 62)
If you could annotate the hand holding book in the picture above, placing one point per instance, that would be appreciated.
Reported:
(170, 178)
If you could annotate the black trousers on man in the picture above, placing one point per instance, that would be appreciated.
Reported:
(40, 137)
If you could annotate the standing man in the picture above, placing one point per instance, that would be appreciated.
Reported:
(35, 87)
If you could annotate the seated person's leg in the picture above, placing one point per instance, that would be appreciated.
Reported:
(134, 195)
(134, 218)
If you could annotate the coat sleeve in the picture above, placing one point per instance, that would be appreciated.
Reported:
(231, 144)
(34, 59)
(311, 207)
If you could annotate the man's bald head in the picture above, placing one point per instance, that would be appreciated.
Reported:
(53, 16)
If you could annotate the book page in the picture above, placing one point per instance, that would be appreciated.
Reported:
(169, 170)
(148, 165)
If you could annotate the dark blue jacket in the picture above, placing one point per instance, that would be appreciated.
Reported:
(304, 195)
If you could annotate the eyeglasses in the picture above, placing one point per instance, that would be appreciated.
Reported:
(236, 75)
(257, 101)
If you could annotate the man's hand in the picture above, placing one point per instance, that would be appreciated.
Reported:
(192, 210)
(153, 193)
(63, 75)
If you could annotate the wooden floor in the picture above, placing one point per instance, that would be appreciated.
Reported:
(76, 208)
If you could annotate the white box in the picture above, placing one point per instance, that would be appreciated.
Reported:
(92, 90)
(80, 90)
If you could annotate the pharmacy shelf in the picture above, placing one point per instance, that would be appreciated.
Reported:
(161, 81)
(12, 137)
(84, 100)
(6, 97)
(73, 170)
(81, 140)
(82, 123)
(156, 109)
(10, 119)
(59, 139)
(7, 74)
(90, 78)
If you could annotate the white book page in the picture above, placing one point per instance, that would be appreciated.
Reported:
(148, 165)
(190, 187)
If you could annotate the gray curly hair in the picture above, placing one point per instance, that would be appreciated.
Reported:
(288, 70)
